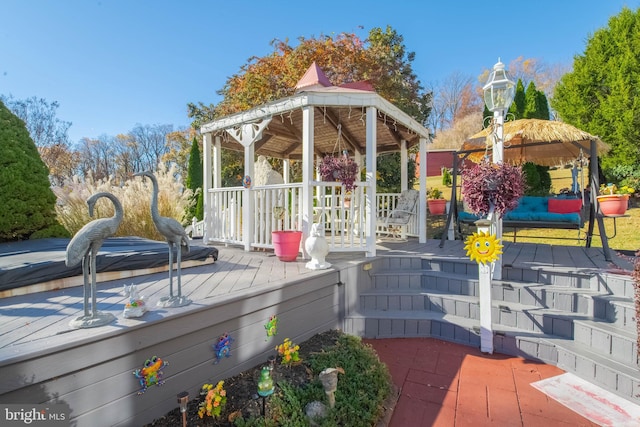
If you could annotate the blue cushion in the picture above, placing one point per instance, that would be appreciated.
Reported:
(531, 208)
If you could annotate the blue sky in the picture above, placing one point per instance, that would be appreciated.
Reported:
(111, 64)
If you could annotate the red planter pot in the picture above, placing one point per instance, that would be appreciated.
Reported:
(286, 244)
(437, 206)
(613, 204)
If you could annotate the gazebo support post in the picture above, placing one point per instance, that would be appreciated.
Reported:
(247, 198)
(370, 204)
(307, 174)
(422, 198)
(206, 185)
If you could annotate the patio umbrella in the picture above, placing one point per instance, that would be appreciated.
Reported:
(544, 142)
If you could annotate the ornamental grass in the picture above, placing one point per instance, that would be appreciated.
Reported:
(135, 196)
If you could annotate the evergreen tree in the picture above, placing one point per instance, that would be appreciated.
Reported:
(602, 93)
(28, 204)
(194, 181)
(389, 180)
(518, 104)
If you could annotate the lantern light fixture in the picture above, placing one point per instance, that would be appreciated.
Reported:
(499, 91)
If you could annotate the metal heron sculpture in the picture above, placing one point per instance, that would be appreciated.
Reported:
(84, 247)
(175, 234)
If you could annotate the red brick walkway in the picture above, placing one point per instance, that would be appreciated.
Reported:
(452, 385)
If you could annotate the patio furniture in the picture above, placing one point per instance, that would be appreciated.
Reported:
(538, 212)
(400, 216)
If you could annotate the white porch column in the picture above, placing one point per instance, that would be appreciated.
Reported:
(206, 185)
(404, 160)
(422, 199)
(247, 198)
(217, 162)
(286, 170)
(371, 209)
(307, 174)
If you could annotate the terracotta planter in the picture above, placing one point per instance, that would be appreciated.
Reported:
(437, 206)
(613, 204)
(286, 244)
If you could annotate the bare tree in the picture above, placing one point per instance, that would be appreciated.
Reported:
(149, 144)
(40, 118)
(96, 157)
(454, 98)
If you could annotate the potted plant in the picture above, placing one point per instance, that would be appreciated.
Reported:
(436, 204)
(286, 243)
(614, 200)
(488, 187)
(342, 168)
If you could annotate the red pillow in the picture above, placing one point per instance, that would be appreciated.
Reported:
(563, 206)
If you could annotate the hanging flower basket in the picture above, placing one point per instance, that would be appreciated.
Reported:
(487, 183)
(343, 169)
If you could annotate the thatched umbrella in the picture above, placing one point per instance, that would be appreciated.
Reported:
(544, 142)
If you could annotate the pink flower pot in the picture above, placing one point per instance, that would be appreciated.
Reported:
(437, 206)
(613, 204)
(286, 244)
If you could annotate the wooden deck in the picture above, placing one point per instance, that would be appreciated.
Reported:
(26, 321)
(234, 294)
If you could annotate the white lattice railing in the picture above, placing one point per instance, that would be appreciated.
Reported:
(279, 207)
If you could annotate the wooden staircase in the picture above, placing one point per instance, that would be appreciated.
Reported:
(580, 321)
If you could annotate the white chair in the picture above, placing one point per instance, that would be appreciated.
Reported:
(396, 221)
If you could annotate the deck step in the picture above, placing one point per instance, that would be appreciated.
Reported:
(400, 323)
(507, 314)
(616, 309)
(620, 378)
(608, 340)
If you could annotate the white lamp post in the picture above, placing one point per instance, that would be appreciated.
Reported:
(498, 96)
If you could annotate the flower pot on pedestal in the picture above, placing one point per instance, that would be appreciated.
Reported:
(613, 204)
(286, 244)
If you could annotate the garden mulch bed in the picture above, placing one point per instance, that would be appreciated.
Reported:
(242, 398)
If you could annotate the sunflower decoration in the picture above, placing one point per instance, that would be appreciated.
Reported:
(483, 247)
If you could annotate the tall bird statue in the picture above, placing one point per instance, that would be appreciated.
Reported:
(84, 247)
(175, 234)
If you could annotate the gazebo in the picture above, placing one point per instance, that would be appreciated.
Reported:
(318, 120)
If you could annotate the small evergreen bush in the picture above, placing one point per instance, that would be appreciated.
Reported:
(28, 204)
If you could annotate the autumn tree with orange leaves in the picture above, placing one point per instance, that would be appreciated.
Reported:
(381, 59)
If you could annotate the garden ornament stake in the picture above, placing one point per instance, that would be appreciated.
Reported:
(176, 236)
(84, 247)
(329, 380)
(183, 400)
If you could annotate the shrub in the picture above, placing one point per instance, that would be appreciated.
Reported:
(537, 178)
(28, 204)
(447, 179)
(135, 196)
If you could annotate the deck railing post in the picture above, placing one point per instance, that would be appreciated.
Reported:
(484, 293)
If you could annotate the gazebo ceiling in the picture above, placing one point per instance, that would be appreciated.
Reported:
(337, 111)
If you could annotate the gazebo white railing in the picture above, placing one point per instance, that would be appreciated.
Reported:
(278, 207)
